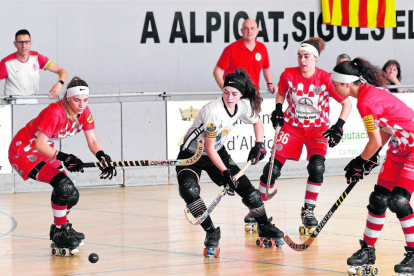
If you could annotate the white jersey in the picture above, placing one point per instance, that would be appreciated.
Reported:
(214, 120)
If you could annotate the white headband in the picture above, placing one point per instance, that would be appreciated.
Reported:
(344, 78)
(77, 90)
(309, 48)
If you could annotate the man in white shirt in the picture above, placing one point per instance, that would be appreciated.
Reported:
(21, 70)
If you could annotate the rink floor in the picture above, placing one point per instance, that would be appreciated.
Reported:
(143, 231)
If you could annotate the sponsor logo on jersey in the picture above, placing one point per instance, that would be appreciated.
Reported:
(210, 132)
(231, 162)
(32, 158)
(221, 135)
(90, 119)
(305, 101)
(15, 167)
(211, 127)
(21, 172)
(279, 146)
(370, 124)
(317, 90)
(258, 56)
(18, 143)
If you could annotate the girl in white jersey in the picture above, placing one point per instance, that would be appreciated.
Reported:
(240, 101)
(307, 90)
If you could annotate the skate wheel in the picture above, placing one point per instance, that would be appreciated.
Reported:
(280, 243)
(54, 251)
(205, 252)
(62, 252)
(306, 231)
(217, 252)
(361, 271)
(259, 242)
(271, 244)
(248, 228)
(255, 228)
(302, 230)
(373, 271)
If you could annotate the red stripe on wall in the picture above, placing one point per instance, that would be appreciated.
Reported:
(331, 8)
(345, 12)
(382, 6)
(363, 14)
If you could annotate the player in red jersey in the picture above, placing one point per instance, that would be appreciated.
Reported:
(305, 122)
(32, 155)
(385, 118)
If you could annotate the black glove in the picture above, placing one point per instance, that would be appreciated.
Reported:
(372, 163)
(257, 153)
(278, 118)
(108, 171)
(228, 180)
(355, 170)
(71, 162)
(334, 134)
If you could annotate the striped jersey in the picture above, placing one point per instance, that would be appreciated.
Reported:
(214, 120)
(22, 77)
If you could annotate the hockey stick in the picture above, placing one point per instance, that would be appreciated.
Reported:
(178, 162)
(272, 161)
(200, 219)
(308, 242)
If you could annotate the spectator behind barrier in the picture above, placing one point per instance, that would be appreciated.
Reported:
(392, 71)
(342, 57)
(21, 70)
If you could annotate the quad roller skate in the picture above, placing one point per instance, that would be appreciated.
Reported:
(308, 219)
(64, 242)
(79, 236)
(362, 262)
(269, 235)
(406, 267)
(251, 223)
(211, 243)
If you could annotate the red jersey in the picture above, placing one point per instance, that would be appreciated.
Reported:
(53, 122)
(236, 55)
(382, 110)
(308, 98)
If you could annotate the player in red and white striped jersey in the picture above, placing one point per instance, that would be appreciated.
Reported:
(21, 69)
(386, 118)
(305, 122)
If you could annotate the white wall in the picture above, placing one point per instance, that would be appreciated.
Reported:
(100, 40)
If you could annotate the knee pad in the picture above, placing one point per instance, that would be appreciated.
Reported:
(378, 200)
(253, 200)
(398, 202)
(316, 168)
(189, 188)
(276, 172)
(74, 199)
(63, 192)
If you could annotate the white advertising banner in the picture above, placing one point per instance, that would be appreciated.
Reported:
(241, 139)
(5, 138)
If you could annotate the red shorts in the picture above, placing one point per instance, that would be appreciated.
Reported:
(291, 139)
(398, 170)
(23, 164)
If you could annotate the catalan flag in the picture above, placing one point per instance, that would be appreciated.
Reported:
(359, 13)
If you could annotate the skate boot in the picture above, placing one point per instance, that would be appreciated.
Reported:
(269, 235)
(251, 223)
(406, 267)
(64, 242)
(308, 219)
(79, 236)
(362, 262)
(211, 243)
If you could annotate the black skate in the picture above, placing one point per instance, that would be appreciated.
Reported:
(406, 267)
(79, 236)
(64, 242)
(269, 235)
(308, 219)
(251, 223)
(211, 243)
(362, 262)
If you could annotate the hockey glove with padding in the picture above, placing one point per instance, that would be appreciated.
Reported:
(355, 170)
(71, 162)
(108, 171)
(229, 181)
(278, 118)
(257, 153)
(372, 163)
(334, 134)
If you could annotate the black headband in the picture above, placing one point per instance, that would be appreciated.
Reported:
(235, 84)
